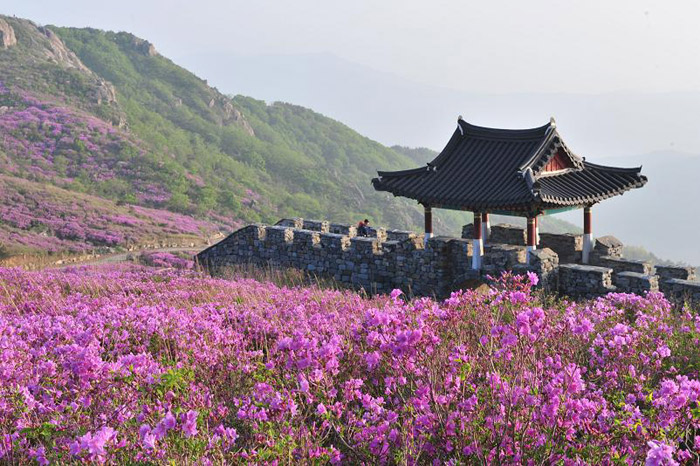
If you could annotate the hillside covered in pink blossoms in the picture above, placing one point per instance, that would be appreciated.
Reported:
(38, 218)
(53, 145)
(61, 145)
(136, 365)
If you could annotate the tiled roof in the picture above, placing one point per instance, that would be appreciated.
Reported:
(483, 169)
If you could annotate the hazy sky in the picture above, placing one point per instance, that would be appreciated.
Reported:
(481, 46)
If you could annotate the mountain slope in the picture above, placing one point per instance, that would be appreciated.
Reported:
(104, 114)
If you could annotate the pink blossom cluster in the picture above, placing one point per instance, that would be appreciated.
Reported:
(132, 365)
(167, 259)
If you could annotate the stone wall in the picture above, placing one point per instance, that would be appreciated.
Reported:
(678, 284)
(669, 272)
(546, 263)
(679, 290)
(389, 259)
(606, 246)
(503, 257)
(380, 263)
(468, 231)
(502, 233)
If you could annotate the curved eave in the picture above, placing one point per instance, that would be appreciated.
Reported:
(403, 187)
(593, 184)
(400, 173)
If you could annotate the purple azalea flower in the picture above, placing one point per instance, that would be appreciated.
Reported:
(659, 454)
(189, 423)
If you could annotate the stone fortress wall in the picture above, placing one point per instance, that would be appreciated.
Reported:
(389, 259)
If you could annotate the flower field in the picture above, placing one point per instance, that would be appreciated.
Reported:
(131, 364)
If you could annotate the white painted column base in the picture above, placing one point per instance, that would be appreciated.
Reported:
(529, 250)
(587, 248)
(477, 253)
(427, 237)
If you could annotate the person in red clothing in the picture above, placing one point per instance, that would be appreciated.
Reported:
(363, 228)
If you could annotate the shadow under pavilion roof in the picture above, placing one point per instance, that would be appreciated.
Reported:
(516, 171)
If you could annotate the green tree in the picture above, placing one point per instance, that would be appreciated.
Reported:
(179, 202)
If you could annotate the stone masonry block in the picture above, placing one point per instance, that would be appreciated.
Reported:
(505, 233)
(279, 234)
(307, 237)
(316, 225)
(366, 245)
(335, 241)
(342, 229)
(296, 222)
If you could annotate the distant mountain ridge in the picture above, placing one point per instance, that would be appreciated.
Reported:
(395, 110)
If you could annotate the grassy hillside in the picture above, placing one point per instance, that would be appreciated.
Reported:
(104, 114)
(295, 161)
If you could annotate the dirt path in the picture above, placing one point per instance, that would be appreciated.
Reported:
(122, 256)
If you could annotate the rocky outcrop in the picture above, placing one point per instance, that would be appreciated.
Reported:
(7, 35)
(105, 92)
(145, 47)
(58, 53)
(237, 117)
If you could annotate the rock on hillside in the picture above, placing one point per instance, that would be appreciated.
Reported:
(35, 59)
(7, 35)
(59, 53)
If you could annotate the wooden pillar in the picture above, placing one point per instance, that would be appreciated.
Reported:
(537, 231)
(531, 236)
(428, 223)
(587, 235)
(477, 243)
(485, 227)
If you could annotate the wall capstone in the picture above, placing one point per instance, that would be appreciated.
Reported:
(606, 246)
(584, 281)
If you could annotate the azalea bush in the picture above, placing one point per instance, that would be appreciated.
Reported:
(177, 260)
(128, 364)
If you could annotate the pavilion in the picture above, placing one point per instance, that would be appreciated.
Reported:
(518, 172)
